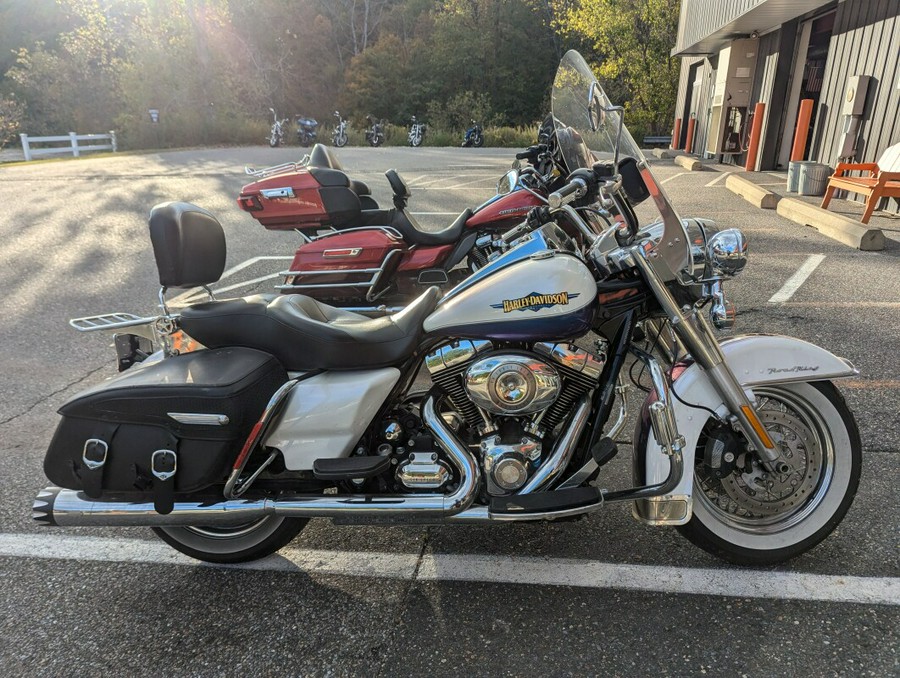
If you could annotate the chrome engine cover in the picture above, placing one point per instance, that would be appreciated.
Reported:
(510, 384)
(507, 465)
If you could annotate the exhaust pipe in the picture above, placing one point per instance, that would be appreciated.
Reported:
(56, 506)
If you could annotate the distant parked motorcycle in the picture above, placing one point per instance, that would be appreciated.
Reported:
(306, 130)
(276, 134)
(474, 136)
(375, 133)
(339, 135)
(416, 132)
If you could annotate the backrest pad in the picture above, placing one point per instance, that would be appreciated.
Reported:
(188, 243)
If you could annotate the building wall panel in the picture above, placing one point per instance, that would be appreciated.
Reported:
(866, 41)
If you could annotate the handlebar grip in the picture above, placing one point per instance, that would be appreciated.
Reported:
(558, 198)
(522, 155)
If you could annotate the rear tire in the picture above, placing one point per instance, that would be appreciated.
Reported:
(750, 522)
(239, 544)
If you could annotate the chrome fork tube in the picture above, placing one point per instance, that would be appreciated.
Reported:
(703, 347)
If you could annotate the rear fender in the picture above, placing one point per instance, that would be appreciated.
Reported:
(755, 359)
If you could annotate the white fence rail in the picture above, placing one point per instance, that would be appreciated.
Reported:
(73, 146)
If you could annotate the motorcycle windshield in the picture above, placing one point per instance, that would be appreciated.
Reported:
(587, 131)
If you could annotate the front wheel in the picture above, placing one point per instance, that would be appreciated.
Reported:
(754, 517)
(340, 140)
(416, 141)
(478, 141)
(239, 544)
(274, 140)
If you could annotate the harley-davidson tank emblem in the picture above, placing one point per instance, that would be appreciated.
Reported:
(536, 301)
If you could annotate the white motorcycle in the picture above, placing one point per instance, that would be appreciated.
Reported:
(416, 133)
(293, 409)
(339, 133)
(276, 134)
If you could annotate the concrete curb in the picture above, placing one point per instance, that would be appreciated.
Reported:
(663, 153)
(836, 226)
(688, 163)
(755, 195)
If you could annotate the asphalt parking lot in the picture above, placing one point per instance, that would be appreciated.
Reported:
(605, 595)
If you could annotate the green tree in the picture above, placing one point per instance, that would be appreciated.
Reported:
(630, 41)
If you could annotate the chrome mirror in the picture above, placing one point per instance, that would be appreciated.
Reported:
(726, 252)
(508, 182)
(596, 110)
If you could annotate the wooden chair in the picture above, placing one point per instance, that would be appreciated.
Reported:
(882, 180)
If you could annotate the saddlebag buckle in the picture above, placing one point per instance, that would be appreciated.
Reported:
(163, 465)
(94, 458)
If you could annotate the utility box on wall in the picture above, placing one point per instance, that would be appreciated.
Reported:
(731, 97)
(852, 112)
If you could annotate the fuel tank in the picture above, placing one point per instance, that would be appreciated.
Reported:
(552, 295)
(503, 212)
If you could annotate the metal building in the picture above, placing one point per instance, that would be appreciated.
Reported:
(842, 54)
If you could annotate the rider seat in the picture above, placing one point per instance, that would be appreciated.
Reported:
(406, 223)
(304, 334)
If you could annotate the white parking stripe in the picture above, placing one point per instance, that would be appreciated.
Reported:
(484, 568)
(718, 179)
(674, 176)
(795, 281)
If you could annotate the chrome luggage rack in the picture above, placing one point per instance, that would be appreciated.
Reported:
(370, 284)
(277, 169)
(110, 322)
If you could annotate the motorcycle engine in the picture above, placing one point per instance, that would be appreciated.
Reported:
(512, 400)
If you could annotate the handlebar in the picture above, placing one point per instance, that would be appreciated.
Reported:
(573, 190)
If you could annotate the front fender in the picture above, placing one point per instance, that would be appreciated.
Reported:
(755, 359)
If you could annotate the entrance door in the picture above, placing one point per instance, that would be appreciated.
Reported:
(806, 83)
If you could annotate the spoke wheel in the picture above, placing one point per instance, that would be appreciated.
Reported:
(753, 516)
(233, 544)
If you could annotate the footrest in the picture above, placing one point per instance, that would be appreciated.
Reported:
(349, 468)
(546, 502)
(604, 450)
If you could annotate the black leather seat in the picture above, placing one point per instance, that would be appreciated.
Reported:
(404, 222)
(305, 334)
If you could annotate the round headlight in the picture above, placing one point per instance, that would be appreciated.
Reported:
(726, 252)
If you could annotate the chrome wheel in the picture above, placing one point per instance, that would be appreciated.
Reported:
(763, 502)
(755, 517)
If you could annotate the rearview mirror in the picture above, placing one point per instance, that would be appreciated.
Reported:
(508, 182)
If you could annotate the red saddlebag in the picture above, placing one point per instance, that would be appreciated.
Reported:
(347, 264)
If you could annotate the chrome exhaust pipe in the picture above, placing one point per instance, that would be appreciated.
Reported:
(56, 506)
(562, 453)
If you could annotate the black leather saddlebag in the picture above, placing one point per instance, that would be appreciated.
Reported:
(169, 427)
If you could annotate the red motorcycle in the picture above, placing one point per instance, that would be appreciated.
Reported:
(369, 254)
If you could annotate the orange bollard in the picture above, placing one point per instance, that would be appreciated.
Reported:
(802, 130)
(676, 135)
(755, 134)
(689, 142)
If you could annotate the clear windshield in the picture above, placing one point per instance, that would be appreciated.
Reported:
(587, 131)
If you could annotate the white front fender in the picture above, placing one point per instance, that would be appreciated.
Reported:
(755, 359)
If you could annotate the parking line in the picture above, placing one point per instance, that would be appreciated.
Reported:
(795, 281)
(718, 179)
(674, 176)
(518, 570)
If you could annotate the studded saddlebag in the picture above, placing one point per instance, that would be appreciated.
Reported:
(159, 429)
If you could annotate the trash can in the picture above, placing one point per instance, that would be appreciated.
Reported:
(813, 178)
(793, 177)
